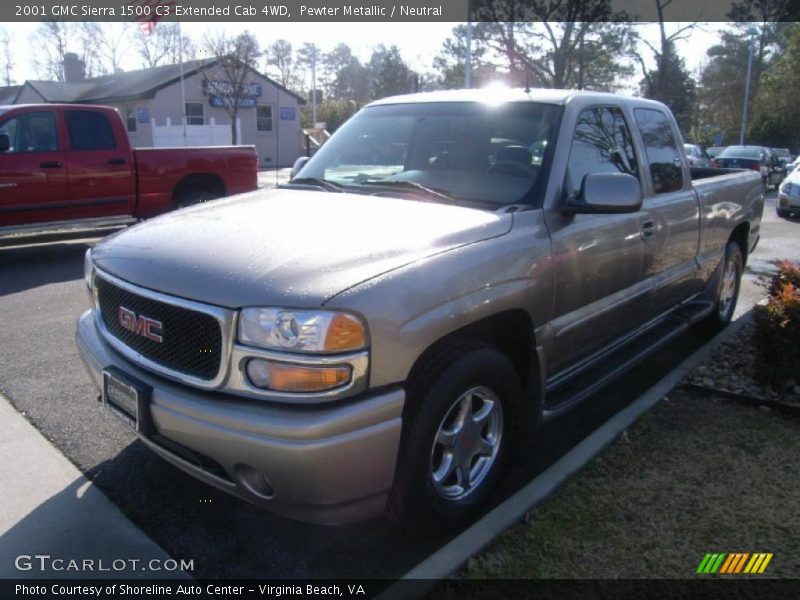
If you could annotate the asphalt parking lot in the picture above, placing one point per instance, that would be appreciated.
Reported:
(41, 295)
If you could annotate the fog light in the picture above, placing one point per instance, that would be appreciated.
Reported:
(784, 201)
(284, 377)
(258, 373)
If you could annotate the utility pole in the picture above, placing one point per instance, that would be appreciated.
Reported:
(183, 86)
(313, 86)
(751, 33)
(468, 61)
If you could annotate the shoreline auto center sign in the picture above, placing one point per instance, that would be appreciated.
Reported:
(222, 93)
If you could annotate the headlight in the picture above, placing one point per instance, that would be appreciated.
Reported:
(88, 268)
(786, 187)
(301, 330)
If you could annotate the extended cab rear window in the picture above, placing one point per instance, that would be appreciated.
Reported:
(89, 130)
(666, 163)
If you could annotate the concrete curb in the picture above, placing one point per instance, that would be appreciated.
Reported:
(50, 509)
(458, 551)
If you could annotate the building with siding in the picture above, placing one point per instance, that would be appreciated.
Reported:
(148, 98)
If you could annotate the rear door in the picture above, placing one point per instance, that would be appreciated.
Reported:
(600, 292)
(671, 219)
(100, 165)
(33, 177)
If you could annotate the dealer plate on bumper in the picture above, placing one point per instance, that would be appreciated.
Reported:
(127, 398)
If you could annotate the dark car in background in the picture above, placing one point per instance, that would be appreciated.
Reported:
(755, 158)
(713, 151)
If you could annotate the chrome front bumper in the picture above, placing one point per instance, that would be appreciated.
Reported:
(325, 464)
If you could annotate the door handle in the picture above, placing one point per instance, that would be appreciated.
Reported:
(51, 164)
(116, 161)
(648, 229)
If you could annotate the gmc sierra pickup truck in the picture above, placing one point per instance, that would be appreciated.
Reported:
(381, 333)
(72, 166)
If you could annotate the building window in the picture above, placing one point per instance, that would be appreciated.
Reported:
(130, 118)
(263, 118)
(194, 113)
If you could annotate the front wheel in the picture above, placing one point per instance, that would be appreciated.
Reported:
(456, 436)
(727, 291)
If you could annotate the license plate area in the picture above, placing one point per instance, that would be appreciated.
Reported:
(127, 398)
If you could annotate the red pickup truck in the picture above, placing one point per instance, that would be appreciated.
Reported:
(72, 165)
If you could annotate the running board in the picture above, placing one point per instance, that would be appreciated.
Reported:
(566, 394)
(22, 231)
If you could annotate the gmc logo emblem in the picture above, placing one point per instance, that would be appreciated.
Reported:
(141, 325)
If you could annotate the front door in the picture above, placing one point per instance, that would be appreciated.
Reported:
(600, 292)
(33, 175)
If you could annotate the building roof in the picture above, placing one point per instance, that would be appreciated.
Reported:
(8, 93)
(127, 85)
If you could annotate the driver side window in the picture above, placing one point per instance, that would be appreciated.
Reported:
(31, 132)
(601, 144)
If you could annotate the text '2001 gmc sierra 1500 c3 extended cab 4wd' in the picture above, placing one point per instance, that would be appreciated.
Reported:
(447, 271)
(73, 166)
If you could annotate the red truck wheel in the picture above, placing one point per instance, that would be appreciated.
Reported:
(192, 197)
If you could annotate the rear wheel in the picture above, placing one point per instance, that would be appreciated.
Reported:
(727, 291)
(456, 436)
(193, 196)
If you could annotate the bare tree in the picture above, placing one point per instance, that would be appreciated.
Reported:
(164, 44)
(49, 43)
(236, 60)
(112, 45)
(6, 59)
(280, 60)
(90, 37)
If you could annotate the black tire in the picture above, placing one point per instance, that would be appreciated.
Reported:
(783, 213)
(192, 196)
(464, 376)
(727, 291)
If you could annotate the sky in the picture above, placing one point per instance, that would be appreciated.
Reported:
(418, 42)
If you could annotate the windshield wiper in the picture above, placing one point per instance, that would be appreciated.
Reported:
(408, 184)
(325, 184)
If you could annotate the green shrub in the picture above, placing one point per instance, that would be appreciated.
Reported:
(778, 329)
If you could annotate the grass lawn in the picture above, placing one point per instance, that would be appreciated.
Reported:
(694, 475)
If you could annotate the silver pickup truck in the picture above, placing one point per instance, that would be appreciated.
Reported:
(380, 334)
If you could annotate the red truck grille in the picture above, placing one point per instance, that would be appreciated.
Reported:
(190, 341)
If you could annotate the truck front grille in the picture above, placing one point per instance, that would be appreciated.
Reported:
(191, 341)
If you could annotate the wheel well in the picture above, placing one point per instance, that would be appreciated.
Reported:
(511, 332)
(208, 182)
(741, 236)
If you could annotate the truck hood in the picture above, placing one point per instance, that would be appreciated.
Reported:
(294, 248)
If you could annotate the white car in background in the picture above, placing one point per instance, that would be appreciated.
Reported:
(789, 195)
(696, 156)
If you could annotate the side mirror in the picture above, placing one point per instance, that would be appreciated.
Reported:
(607, 193)
(5, 142)
(298, 164)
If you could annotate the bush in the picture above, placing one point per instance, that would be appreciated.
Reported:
(778, 329)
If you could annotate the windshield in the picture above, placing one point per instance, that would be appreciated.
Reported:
(466, 151)
(782, 152)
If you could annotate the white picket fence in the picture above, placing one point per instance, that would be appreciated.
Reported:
(170, 136)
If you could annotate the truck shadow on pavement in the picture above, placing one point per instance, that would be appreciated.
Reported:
(27, 267)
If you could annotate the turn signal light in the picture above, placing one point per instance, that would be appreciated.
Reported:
(344, 332)
(284, 377)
